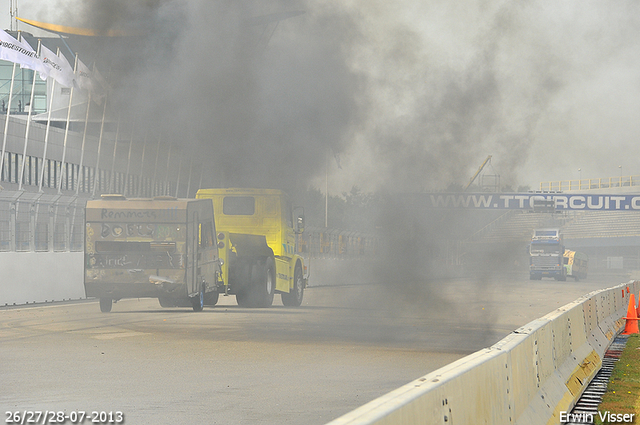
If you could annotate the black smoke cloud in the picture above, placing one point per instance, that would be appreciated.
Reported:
(413, 95)
(430, 88)
(447, 95)
(259, 105)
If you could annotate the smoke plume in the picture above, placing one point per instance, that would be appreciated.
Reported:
(410, 95)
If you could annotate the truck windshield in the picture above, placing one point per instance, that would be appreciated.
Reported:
(545, 248)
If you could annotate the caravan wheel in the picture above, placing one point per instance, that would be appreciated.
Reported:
(105, 305)
(198, 301)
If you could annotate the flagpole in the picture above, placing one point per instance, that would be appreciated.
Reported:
(141, 182)
(46, 134)
(84, 139)
(6, 117)
(178, 179)
(66, 131)
(6, 124)
(189, 180)
(113, 161)
(126, 176)
(26, 134)
(96, 172)
(326, 192)
(18, 52)
(155, 167)
(168, 161)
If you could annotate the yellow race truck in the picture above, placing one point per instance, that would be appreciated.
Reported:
(256, 238)
(162, 247)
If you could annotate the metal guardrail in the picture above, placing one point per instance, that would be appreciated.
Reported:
(327, 243)
(42, 224)
(83, 180)
(36, 222)
(335, 243)
(590, 184)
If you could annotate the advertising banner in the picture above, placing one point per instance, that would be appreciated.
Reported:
(527, 201)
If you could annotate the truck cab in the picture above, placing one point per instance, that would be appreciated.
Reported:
(546, 255)
(256, 233)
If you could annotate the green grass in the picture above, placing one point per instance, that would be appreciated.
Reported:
(623, 392)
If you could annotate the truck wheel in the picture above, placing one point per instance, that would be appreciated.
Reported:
(105, 305)
(198, 301)
(294, 298)
(242, 298)
(259, 292)
(263, 283)
(211, 298)
(166, 302)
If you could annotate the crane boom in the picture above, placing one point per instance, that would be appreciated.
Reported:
(475, 176)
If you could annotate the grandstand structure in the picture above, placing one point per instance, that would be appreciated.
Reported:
(43, 191)
(60, 147)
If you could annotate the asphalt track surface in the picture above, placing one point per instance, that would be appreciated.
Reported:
(226, 365)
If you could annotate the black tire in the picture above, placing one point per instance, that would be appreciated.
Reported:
(197, 302)
(263, 283)
(294, 298)
(259, 292)
(242, 298)
(211, 298)
(106, 304)
(166, 302)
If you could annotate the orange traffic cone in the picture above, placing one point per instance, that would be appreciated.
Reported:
(631, 327)
(638, 307)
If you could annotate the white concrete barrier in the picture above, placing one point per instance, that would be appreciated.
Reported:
(30, 277)
(529, 377)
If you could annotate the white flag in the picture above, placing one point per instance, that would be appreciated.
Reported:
(58, 66)
(18, 52)
(102, 83)
(83, 76)
(100, 86)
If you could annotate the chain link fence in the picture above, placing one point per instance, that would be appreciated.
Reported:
(41, 223)
(334, 243)
(32, 222)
